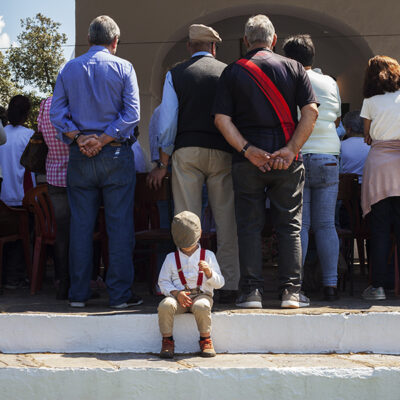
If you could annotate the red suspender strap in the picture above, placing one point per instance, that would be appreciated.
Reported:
(200, 277)
(202, 254)
(273, 95)
(179, 266)
(180, 272)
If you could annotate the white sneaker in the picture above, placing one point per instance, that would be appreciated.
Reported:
(371, 293)
(294, 300)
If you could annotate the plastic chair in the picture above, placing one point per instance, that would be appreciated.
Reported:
(348, 194)
(14, 225)
(148, 233)
(38, 202)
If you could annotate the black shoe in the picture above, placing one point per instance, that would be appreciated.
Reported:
(330, 293)
(133, 301)
(250, 300)
(227, 296)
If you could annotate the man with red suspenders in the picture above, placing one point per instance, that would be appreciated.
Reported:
(256, 111)
(188, 278)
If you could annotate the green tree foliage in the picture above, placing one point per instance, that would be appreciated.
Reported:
(37, 59)
(7, 87)
(31, 68)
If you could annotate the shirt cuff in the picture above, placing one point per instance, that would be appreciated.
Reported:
(69, 127)
(110, 131)
(168, 149)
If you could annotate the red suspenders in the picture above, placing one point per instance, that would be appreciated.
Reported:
(273, 95)
(180, 272)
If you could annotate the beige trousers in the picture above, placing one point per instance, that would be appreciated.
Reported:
(191, 167)
(201, 309)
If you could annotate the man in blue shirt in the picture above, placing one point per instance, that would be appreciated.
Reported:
(95, 109)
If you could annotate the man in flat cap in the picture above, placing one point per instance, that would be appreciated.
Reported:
(199, 152)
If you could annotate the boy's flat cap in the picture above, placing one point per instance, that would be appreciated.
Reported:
(186, 229)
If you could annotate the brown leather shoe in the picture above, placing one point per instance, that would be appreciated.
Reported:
(167, 348)
(207, 348)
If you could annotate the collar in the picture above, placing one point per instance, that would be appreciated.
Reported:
(196, 253)
(202, 53)
(96, 48)
(254, 51)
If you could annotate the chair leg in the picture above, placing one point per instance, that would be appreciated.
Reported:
(351, 266)
(27, 255)
(35, 266)
(42, 266)
(361, 254)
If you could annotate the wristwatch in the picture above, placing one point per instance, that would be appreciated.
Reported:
(74, 140)
(161, 165)
(245, 147)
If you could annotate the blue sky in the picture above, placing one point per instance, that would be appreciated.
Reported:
(12, 11)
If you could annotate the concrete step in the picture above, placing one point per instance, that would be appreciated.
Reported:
(253, 376)
(233, 332)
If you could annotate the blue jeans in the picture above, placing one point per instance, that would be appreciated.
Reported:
(319, 202)
(110, 175)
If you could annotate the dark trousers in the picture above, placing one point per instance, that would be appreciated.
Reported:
(285, 191)
(110, 174)
(62, 214)
(384, 215)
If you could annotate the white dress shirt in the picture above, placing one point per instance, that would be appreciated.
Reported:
(169, 280)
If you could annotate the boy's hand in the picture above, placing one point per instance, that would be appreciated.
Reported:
(184, 299)
(203, 266)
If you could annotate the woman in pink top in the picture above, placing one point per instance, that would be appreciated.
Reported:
(56, 176)
(380, 194)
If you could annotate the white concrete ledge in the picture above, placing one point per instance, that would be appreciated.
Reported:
(232, 333)
(230, 377)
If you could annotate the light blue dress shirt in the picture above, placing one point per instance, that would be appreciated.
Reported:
(96, 93)
(164, 121)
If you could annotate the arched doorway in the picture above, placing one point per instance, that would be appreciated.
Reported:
(341, 52)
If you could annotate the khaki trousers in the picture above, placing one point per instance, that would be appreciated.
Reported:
(201, 309)
(191, 167)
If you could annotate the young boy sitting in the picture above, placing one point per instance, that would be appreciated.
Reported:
(188, 278)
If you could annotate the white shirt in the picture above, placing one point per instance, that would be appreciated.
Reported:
(353, 155)
(169, 280)
(12, 190)
(384, 112)
(324, 138)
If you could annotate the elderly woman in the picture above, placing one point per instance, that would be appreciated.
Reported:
(354, 150)
(320, 155)
(380, 193)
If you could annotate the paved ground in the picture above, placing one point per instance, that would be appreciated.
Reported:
(20, 301)
(130, 360)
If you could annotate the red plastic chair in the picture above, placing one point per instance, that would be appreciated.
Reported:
(37, 201)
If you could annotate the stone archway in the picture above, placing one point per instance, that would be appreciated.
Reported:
(341, 51)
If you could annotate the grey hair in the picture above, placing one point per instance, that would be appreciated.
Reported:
(354, 122)
(259, 28)
(103, 30)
